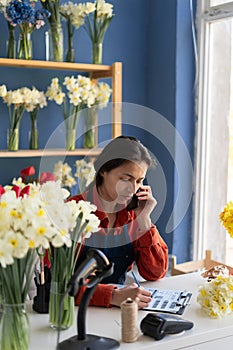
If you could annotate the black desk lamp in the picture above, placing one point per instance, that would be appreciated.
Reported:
(95, 267)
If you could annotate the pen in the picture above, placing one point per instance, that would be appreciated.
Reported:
(135, 279)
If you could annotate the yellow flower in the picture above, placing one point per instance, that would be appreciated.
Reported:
(226, 218)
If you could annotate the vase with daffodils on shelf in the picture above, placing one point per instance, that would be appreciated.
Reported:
(36, 100)
(73, 16)
(102, 93)
(56, 32)
(79, 94)
(98, 16)
(16, 102)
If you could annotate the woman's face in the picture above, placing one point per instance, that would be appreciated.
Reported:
(121, 183)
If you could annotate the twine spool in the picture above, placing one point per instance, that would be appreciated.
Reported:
(129, 320)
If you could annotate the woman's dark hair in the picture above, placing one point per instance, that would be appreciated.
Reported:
(122, 149)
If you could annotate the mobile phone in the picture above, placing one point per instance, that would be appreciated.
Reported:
(134, 203)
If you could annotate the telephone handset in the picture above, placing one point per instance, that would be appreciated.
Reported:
(134, 203)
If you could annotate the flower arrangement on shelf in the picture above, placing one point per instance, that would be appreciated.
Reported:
(18, 101)
(55, 27)
(24, 14)
(11, 48)
(81, 92)
(74, 20)
(15, 101)
(98, 16)
(36, 101)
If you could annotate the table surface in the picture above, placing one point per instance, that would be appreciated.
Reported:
(106, 322)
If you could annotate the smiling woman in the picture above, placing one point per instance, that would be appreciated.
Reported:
(126, 234)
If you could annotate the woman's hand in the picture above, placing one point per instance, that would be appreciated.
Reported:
(131, 291)
(146, 201)
(146, 205)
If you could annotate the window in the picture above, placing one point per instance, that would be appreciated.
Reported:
(214, 128)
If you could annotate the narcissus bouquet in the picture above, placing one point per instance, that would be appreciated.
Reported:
(216, 296)
(32, 217)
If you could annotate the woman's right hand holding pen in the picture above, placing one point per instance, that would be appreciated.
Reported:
(131, 291)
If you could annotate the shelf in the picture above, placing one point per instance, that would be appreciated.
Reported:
(96, 70)
(50, 153)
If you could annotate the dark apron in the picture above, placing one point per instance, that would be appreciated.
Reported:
(118, 249)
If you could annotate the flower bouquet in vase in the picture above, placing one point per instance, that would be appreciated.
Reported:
(15, 101)
(98, 16)
(24, 14)
(63, 262)
(101, 93)
(56, 32)
(27, 223)
(78, 95)
(35, 101)
(74, 17)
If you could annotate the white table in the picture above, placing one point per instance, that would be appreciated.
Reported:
(207, 333)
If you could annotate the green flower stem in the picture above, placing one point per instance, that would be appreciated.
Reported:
(25, 44)
(70, 49)
(90, 122)
(34, 138)
(62, 268)
(13, 139)
(14, 328)
(71, 121)
(57, 42)
(11, 41)
(97, 53)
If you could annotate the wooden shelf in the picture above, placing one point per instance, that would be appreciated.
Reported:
(50, 153)
(96, 70)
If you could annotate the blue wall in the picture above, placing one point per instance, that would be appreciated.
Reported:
(153, 39)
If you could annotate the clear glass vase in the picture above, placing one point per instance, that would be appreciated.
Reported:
(14, 327)
(97, 53)
(11, 44)
(25, 46)
(70, 139)
(61, 310)
(13, 139)
(54, 43)
(90, 136)
(34, 138)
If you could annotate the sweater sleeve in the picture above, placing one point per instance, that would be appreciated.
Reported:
(151, 255)
(101, 296)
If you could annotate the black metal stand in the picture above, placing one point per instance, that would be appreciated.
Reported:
(95, 261)
(84, 341)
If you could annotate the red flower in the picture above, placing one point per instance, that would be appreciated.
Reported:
(2, 191)
(29, 171)
(46, 176)
(19, 192)
(27, 174)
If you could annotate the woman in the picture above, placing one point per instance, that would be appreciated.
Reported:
(126, 234)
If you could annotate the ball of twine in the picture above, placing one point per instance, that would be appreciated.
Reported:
(129, 320)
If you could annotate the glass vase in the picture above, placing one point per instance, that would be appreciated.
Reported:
(90, 136)
(10, 44)
(97, 53)
(61, 310)
(34, 138)
(13, 139)
(54, 43)
(14, 327)
(25, 46)
(70, 139)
